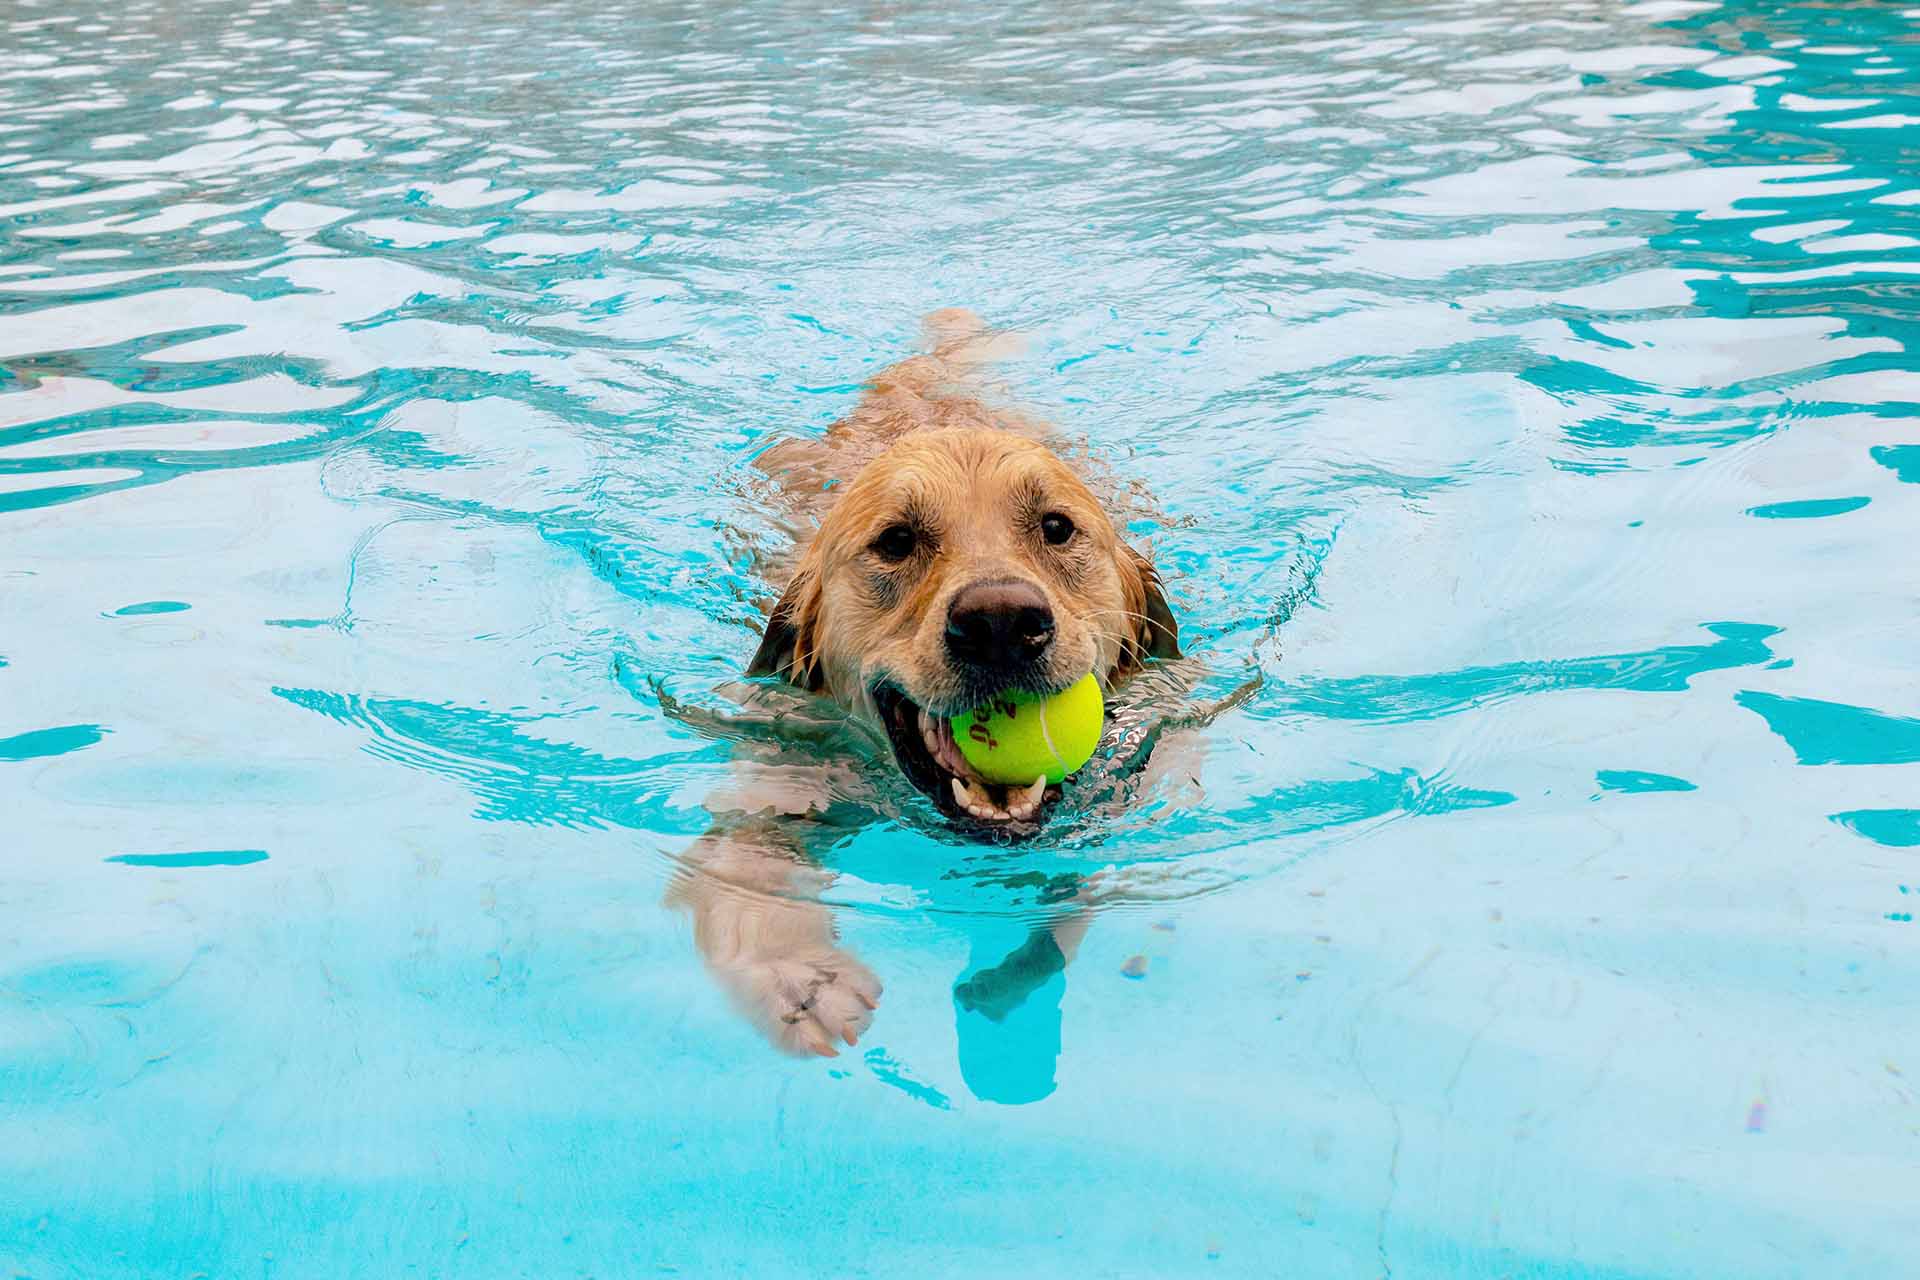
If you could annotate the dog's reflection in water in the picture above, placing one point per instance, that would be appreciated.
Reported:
(1007, 1012)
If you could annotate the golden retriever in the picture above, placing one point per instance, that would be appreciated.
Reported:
(953, 555)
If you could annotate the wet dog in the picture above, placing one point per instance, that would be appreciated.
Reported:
(946, 554)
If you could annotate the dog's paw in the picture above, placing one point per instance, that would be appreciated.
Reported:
(811, 1001)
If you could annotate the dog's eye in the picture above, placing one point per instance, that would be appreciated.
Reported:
(896, 542)
(1056, 529)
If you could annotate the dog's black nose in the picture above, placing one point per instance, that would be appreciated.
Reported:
(999, 626)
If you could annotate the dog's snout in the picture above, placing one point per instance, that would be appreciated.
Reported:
(1001, 625)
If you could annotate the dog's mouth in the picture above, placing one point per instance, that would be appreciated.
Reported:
(924, 748)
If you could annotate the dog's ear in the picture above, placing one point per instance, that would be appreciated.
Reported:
(1155, 634)
(789, 648)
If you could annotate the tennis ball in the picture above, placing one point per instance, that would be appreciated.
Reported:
(1019, 736)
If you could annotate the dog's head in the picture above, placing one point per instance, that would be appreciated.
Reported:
(959, 564)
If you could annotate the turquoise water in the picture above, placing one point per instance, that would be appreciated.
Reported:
(1528, 395)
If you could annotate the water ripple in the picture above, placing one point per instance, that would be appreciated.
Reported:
(1475, 361)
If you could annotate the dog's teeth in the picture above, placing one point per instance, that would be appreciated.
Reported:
(1025, 802)
(975, 803)
(974, 799)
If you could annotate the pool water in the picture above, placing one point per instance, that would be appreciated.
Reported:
(1528, 395)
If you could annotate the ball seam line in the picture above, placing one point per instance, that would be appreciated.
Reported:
(1046, 736)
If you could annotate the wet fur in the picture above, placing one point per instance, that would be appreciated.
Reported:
(924, 447)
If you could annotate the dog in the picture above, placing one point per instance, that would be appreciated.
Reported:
(946, 552)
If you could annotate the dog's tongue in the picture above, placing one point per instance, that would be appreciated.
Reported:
(937, 736)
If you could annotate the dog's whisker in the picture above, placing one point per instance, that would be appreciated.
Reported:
(1140, 618)
(1118, 640)
(1101, 633)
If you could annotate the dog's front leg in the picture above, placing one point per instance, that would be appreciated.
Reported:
(751, 891)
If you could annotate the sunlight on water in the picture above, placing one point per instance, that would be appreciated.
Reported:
(1522, 401)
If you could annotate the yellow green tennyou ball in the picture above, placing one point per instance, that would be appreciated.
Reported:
(1019, 736)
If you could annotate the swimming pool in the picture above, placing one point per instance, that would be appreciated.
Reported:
(1528, 391)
